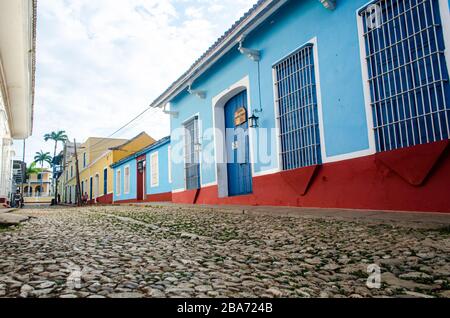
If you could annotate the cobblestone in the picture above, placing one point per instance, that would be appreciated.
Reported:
(201, 252)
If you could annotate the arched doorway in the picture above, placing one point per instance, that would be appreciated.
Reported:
(223, 148)
(38, 191)
(237, 145)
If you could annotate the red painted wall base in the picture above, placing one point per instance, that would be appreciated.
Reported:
(160, 197)
(106, 199)
(372, 182)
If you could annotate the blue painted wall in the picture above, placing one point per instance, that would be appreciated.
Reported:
(132, 194)
(164, 184)
(343, 106)
(163, 162)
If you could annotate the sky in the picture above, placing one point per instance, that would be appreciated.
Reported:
(102, 62)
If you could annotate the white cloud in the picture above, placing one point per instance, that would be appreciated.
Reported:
(101, 62)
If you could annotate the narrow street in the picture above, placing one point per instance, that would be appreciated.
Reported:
(181, 251)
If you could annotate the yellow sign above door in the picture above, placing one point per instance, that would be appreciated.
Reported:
(240, 116)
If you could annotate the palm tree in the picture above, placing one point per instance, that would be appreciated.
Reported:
(41, 158)
(32, 169)
(56, 136)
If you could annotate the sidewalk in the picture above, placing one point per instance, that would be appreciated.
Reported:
(421, 220)
(7, 218)
(7, 210)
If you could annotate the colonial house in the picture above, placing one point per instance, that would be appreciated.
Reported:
(95, 157)
(17, 73)
(38, 184)
(332, 104)
(144, 176)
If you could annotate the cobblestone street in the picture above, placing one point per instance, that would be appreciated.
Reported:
(173, 251)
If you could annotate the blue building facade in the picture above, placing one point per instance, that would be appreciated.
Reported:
(319, 104)
(144, 176)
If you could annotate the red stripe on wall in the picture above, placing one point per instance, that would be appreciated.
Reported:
(362, 183)
(160, 197)
(106, 199)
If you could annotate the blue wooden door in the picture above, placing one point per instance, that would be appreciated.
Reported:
(105, 181)
(237, 143)
(90, 188)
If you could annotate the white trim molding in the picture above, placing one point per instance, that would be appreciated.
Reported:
(200, 140)
(266, 172)
(211, 184)
(366, 88)
(126, 179)
(118, 182)
(444, 7)
(218, 103)
(323, 151)
(154, 172)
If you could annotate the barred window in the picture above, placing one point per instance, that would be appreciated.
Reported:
(296, 99)
(118, 182)
(192, 156)
(126, 180)
(154, 169)
(407, 72)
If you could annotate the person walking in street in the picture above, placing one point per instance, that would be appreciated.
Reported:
(18, 199)
(85, 198)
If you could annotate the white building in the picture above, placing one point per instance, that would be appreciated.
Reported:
(17, 77)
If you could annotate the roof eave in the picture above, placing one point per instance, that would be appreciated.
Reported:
(139, 153)
(260, 14)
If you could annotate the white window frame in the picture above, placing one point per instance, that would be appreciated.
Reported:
(323, 153)
(200, 153)
(96, 185)
(154, 173)
(169, 163)
(126, 179)
(445, 19)
(85, 160)
(118, 182)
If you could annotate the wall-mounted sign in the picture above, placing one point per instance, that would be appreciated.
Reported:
(141, 165)
(240, 116)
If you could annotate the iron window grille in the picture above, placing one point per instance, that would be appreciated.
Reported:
(192, 154)
(407, 72)
(296, 100)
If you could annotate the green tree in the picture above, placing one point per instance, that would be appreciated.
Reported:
(32, 169)
(56, 136)
(41, 158)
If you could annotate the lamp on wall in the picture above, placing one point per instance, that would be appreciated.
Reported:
(253, 120)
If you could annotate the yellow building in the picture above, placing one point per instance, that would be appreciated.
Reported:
(38, 187)
(38, 184)
(95, 157)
